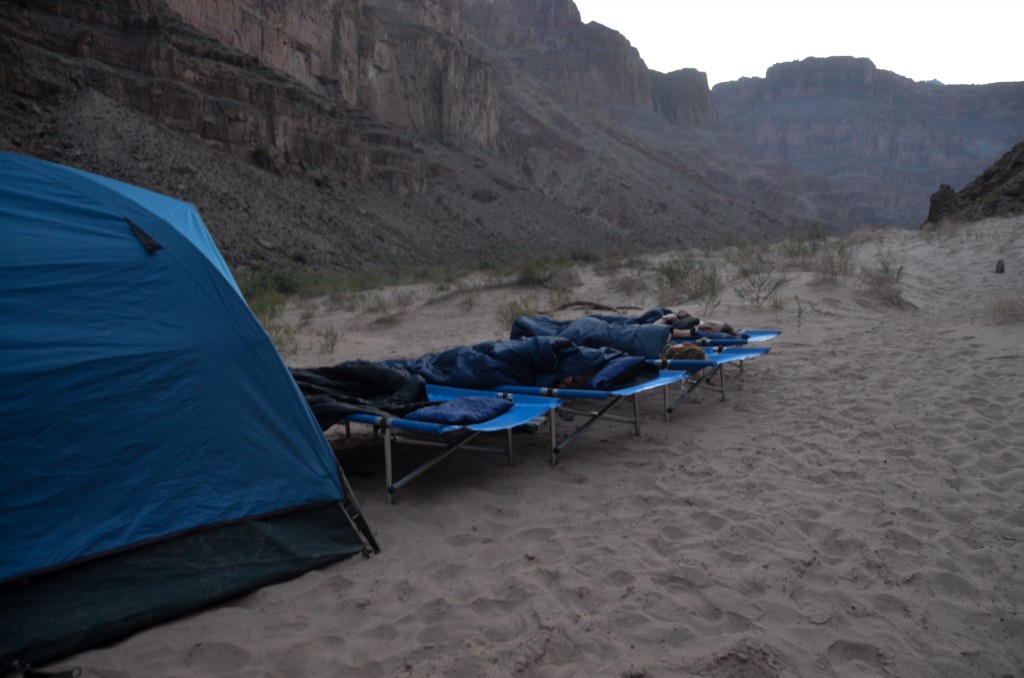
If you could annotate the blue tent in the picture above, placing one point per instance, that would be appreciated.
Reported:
(155, 453)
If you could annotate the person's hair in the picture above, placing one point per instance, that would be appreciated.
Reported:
(684, 351)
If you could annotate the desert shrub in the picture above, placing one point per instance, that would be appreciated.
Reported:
(507, 312)
(803, 242)
(388, 308)
(1007, 310)
(672, 278)
(629, 283)
(533, 273)
(760, 272)
(833, 260)
(884, 279)
(267, 308)
(267, 290)
(707, 285)
(689, 277)
(807, 231)
(629, 276)
(544, 272)
(760, 287)
(559, 296)
(747, 258)
(945, 227)
(328, 339)
(283, 336)
(469, 299)
(800, 255)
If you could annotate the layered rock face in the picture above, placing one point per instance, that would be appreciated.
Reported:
(382, 133)
(299, 86)
(996, 192)
(882, 140)
(365, 134)
(580, 63)
(683, 98)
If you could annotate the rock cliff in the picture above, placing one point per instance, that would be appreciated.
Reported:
(547, 40)
(882, 140)
(394, 134)
(683, 98)
(996, 192)
(297, 85)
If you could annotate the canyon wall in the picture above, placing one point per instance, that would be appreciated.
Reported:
(298, 86)
(884, 141)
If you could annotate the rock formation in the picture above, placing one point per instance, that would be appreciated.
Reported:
(683, 98)
(430, 141)
(996, 192)
(882, 140)
(394, 134)
(579, 63)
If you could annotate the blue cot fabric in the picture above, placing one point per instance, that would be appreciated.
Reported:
(461, 411)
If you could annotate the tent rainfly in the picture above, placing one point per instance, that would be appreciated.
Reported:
(155, 454)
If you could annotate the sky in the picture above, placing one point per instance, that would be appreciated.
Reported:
(956, 43)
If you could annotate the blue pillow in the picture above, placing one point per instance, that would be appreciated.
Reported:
(615, 373)
(458, 411)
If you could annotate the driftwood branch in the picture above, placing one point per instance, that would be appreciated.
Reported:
(594, 306)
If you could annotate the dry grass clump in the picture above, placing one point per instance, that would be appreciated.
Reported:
(867, 234)
(507, 312)
(689, 277)
(834, 260)
(945, 227)
(628, 276)
(1007, 310)
(884, 279)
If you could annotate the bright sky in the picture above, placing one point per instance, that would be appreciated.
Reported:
(955, 42)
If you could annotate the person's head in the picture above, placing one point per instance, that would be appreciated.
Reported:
(684, 351)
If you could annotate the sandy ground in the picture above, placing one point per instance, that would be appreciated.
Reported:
(853, 508)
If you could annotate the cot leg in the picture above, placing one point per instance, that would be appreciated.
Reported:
(389, 486)
(636, 414)
(664, 401)
(594, 417)
(551, 428)
(509, 432)
(721, 380)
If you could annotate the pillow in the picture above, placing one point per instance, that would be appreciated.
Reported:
(467, 410)
(616, 372)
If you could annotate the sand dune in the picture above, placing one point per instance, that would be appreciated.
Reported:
(854, 508)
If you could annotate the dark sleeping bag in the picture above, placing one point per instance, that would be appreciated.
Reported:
(359, 387)
(647, 340)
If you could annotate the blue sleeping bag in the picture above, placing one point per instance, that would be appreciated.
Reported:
(536, 361)
(644, 339)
